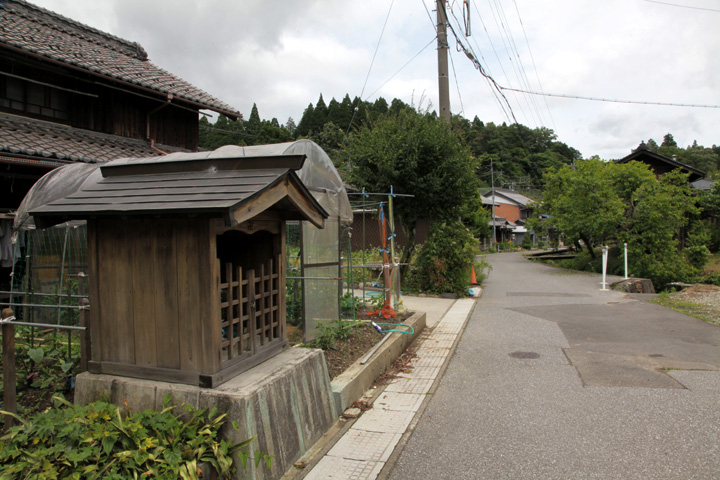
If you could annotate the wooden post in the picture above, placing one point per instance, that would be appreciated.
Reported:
(9, 373)
(84, 335)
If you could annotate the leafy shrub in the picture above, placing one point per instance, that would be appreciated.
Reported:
(697, 256)
(712, 279)
(526, 242)
(335, 330)
(350, 304)
(445, 260)
(96, 441)
(482, 268)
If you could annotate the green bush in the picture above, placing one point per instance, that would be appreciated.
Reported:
(697, 256)
(97, 441)
(333, 331)
(443, 265)
(526, 242)
(482, 268)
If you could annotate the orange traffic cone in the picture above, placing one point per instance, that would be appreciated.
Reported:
(473, 279)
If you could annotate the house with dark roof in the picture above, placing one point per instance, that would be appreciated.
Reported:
(71, 93)
(660, 164)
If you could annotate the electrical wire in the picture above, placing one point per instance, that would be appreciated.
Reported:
(683, 6)
(610, 100)
(457, 85)
(372, 62)
(509, 43)
(532, 57)
(497, 57)
(523, 73)
(479, 67)
(401, 68)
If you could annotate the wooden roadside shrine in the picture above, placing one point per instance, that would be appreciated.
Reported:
(187, 262)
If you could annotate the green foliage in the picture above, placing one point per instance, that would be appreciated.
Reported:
(350, 304)
(520, 155)
(482, 269)
(44, 368)
(414, 153)
(334, 330)
(606, 203)
(508, 246)
(582, 202)
(526, 242)
(293, 288)
(697, 256)
(445, 260)
(97, 441)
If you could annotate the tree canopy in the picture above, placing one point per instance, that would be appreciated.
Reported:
(417, 154)
(606, 203)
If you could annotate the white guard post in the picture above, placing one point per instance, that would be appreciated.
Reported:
(604, 268)
(626, 269)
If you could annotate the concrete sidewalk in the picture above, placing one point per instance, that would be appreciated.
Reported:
(364, 449)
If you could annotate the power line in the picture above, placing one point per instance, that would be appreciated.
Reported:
(457, 85)
(610, 100)
(497, 57)
(532, 57)
(401, 68)
(683, 6)
(479, 67)
(372, 62)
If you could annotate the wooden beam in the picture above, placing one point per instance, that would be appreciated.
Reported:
(9, 373)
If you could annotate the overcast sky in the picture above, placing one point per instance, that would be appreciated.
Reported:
(282, 54)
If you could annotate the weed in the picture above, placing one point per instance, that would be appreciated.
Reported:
(98, 441)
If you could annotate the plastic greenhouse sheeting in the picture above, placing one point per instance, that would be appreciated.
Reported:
(54, 185)
(318, 174)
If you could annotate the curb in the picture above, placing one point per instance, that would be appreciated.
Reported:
(350, 385)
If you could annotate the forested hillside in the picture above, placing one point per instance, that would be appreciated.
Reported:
(517, 154)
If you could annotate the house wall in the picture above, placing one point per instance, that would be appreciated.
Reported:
(93, 103)
(510, 212)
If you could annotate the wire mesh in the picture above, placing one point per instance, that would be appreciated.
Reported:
(51, 271)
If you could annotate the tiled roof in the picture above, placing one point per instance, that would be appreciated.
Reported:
(52, 141)
(511, 195)
(45, 34)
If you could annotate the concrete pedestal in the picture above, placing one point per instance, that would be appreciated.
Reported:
(286, 401)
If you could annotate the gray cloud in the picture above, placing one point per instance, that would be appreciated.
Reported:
(283, 54)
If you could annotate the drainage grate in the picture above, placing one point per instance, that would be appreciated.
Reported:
(524, 355)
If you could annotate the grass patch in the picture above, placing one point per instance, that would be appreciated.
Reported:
(692, 309)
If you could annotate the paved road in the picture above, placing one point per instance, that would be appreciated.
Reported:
(555, 379)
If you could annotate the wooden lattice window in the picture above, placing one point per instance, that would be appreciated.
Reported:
(250, 310)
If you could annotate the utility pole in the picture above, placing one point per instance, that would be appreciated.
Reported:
(442, 46)
(492, 186)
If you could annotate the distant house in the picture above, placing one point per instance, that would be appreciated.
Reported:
(660, 164)
(511, 211)
(71, 93)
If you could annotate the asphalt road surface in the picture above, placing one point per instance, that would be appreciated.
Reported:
(555, 379)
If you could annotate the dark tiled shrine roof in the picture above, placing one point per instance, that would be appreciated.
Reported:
(45, 34)
(52, 141)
